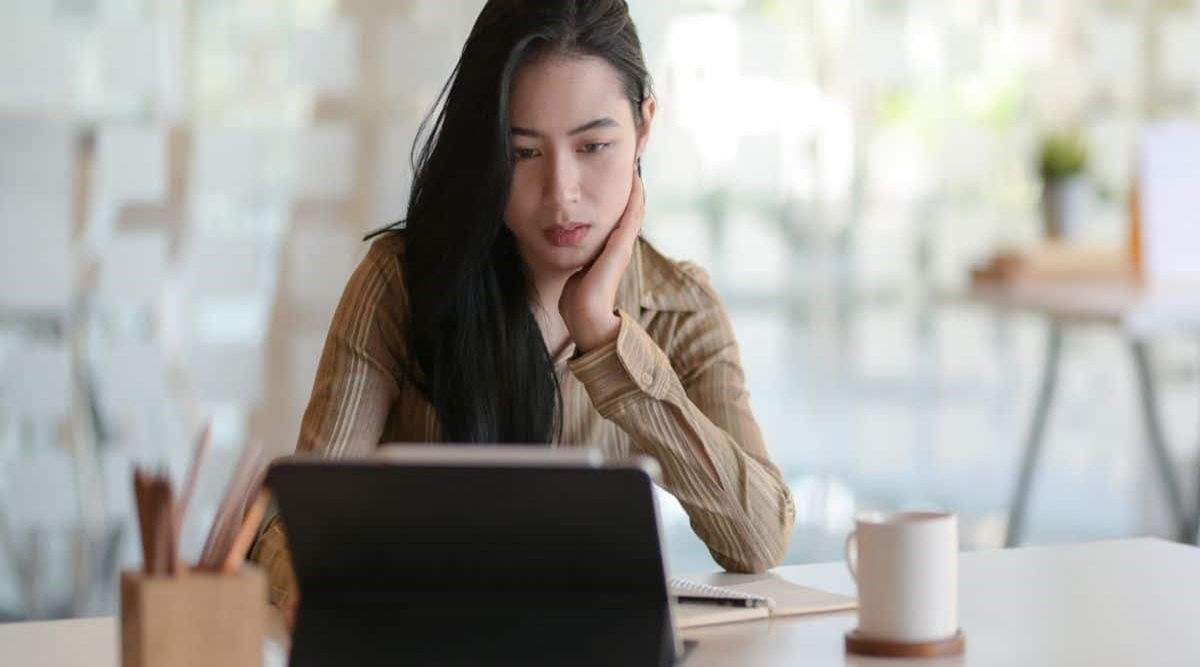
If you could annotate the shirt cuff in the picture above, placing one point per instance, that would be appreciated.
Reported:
(620, 370)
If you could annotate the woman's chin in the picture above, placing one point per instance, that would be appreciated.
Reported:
(566, 259)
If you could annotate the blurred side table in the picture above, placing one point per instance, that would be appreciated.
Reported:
(1138, 312)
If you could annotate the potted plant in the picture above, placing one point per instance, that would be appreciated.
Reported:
(1066, 188)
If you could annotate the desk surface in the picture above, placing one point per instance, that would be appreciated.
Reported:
(1128, 602)
(1138, 307)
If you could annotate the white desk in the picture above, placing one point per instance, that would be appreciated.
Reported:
(1128, 602)
(1138, 312)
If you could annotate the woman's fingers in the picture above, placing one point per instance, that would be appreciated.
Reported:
(613, 260)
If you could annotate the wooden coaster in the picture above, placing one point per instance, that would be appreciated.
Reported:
(857, 643)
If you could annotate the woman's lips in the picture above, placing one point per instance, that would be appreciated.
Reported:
(567, 236)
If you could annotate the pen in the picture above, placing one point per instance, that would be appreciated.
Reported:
(723, 602)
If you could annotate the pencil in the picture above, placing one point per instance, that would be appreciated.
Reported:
(245, 535)
(141, 494)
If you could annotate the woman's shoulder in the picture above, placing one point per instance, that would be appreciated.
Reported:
(386, 255)
(386, 243)
(669, 284)
(378, 280)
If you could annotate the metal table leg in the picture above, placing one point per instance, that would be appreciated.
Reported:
(1037, 431)
(1148, 395)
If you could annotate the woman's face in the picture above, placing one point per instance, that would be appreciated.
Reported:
(574, 144)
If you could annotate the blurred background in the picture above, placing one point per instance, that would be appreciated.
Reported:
(184, 185)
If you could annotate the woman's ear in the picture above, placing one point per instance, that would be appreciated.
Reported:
(649, 106)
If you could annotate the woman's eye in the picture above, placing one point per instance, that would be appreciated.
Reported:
(595, 147)
(524, 153)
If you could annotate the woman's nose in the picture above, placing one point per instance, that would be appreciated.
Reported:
(562, 182)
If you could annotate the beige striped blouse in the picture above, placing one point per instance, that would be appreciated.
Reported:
(670, 386)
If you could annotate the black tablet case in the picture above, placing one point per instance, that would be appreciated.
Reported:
(459, 565)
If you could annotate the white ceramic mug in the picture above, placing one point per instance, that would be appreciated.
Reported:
(906, 567)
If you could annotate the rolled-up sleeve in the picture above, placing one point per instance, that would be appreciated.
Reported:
(691, 406)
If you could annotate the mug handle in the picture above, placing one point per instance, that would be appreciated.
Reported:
(850, 551)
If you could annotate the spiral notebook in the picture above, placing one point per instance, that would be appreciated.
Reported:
(783, 598)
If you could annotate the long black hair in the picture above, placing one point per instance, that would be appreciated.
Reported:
(479, 356)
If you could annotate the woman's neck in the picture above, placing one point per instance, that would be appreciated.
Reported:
(546, 292)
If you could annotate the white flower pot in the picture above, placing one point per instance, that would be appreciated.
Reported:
(1065, 203)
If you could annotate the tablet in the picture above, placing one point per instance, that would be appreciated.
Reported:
(456, 554)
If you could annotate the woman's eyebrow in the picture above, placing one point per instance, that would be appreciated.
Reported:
(590, 125)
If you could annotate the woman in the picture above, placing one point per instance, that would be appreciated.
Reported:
(518, 304)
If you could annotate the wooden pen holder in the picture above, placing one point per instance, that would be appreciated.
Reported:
(199, 619)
